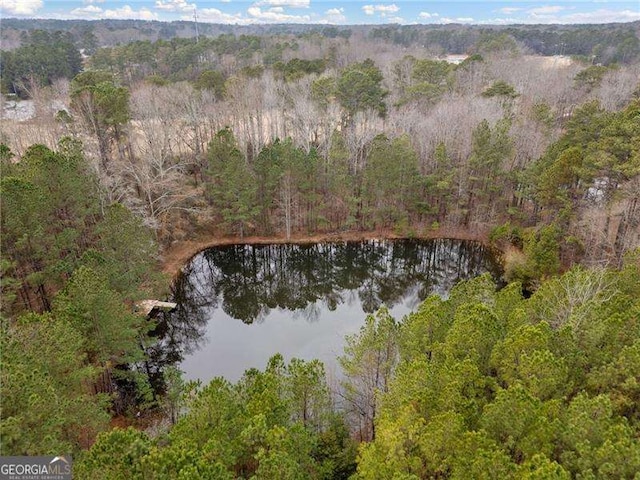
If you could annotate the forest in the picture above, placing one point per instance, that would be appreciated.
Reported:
(127, 151)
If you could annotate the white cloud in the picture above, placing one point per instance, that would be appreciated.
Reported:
(175, 5)
(20, 7)
(509, 10)
(213, 15)
(561, 15)
(91, 12)
(456, 20)
(257, 15)
(547, 10)
(394, 19)
(127, 12)
(596, 16)
(383, 9)
(276, 16)
(500, 21)
(393, 8)
(283, 3)
(427, 15)
(335, 15)
(592, 17)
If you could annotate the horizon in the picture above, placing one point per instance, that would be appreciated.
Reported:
(327, 12)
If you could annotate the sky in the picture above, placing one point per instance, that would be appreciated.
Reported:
(331, 12)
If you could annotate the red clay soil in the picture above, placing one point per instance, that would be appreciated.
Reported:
(179, 253)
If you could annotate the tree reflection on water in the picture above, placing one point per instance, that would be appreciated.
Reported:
(248, 282)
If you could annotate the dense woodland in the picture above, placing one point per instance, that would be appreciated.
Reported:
(616, 42)
(133, 147)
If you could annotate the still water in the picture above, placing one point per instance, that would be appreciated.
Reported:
(239, 305)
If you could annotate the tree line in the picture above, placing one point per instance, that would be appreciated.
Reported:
(608, 43)
(536, 208)
(41, 59)
(484, 384)
(330, 140)
(43, 54)
(344, 158)
(72, 269)
(599, 43)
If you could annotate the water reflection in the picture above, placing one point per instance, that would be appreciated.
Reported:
(248, 281)
(314, 283)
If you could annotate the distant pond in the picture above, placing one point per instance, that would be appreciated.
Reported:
(238, 305)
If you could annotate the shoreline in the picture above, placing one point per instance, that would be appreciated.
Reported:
(180, 252)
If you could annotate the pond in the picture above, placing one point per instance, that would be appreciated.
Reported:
(238, 305)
